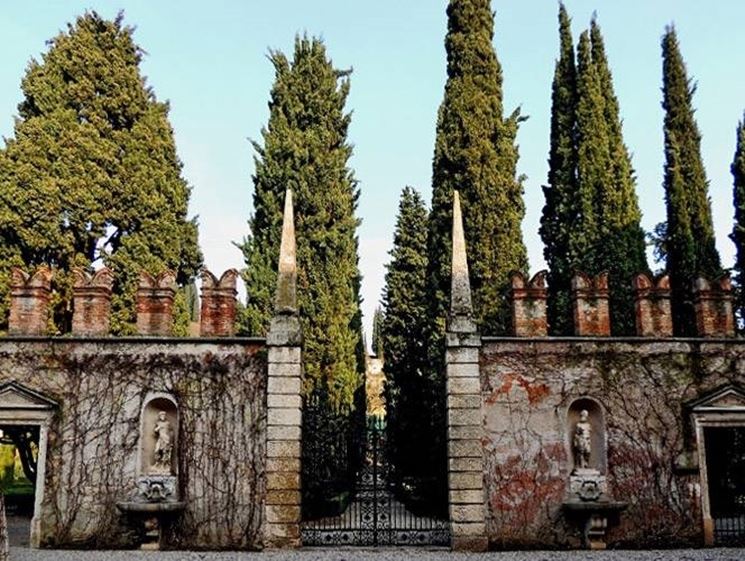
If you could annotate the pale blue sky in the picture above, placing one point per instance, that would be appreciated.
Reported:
(209, 60)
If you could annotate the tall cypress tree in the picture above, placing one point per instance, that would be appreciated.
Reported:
(738, 231)
(689, 240)
(377, 333)
(475, 152)
(621, 249)
(305, 148)
(91, 175)
(560, 211)
(403, 331)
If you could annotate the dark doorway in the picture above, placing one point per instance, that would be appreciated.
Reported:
(19, 451)
(725, 466)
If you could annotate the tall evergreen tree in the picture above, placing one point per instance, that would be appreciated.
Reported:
(91, 175)
(305, 148)
(559, 216)
(377, 333)
(689, 235)
(621, 250)
(475, 152)
(404, 328)
(738, 231)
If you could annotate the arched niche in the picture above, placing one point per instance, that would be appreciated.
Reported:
(598, 459)
(159, 436)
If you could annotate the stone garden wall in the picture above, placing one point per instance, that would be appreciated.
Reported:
(94, 438)
(641, 387)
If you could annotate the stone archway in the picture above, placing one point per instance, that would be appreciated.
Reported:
(22, 406)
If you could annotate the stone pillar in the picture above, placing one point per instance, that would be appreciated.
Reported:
(284, 402)
(91, 302)
(464, 416)
(590, 301)
(217, 315)
(529, 305)
(155, 303)
(29, 301)
(652, 300)
(712, 304)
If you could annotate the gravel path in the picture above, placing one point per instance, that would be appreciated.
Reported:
(18, 554)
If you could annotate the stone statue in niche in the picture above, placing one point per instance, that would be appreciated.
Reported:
(163, 450)
(582, 442)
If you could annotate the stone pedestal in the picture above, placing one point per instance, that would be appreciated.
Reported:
(589, 507)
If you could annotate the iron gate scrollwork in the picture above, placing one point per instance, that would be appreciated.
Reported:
(370, 514)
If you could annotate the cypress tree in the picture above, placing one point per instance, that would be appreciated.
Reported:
(621, 249)
(377, 334)
(305, 148)
(475, 152)
(91, 175)
(689, 235)
(560, 211)
(404, 327)
(738, 231)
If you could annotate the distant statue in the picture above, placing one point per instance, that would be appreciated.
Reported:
(163, 452)
(582, 441)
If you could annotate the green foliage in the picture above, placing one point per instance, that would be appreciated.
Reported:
(560, 215)
(91, 175)
(408, 390)
(475, 152)
(690, 246)
(305, 148)
(377, 334)
(591, 220)
(738, 231)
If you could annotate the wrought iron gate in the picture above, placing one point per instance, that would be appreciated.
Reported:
(725, 462)
(372, 515)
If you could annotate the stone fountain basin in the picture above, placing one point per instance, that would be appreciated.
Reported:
(141, 507)
(594, 506)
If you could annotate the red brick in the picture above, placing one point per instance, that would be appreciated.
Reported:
(712, 302)
(217, 317)
(528, 300)
(590, 301)
(91, 297)
(652, 302)
(155, 304)
(29, 301)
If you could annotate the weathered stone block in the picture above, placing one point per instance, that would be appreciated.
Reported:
(467, 496)
(283, 464)
(283, 481)
(465, 449)
(468, 529)
(466, 432)
(463, 370)
(471, 544)
(282, 514)
(283, 432)
(464, 401)
(284, 416)
(283, 497)
(472, 417)
(283, 369)
(462, 355)
(284, 400)
(467, 513)
(463, 385)
(466, 480)
(283, 449)
(283, 385)
(466, 462)
(285, 355)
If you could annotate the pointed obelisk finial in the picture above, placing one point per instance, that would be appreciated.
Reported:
(461, 308)
(286, 297)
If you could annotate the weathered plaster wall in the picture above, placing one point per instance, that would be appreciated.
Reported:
(642, 385)
(92, 461)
